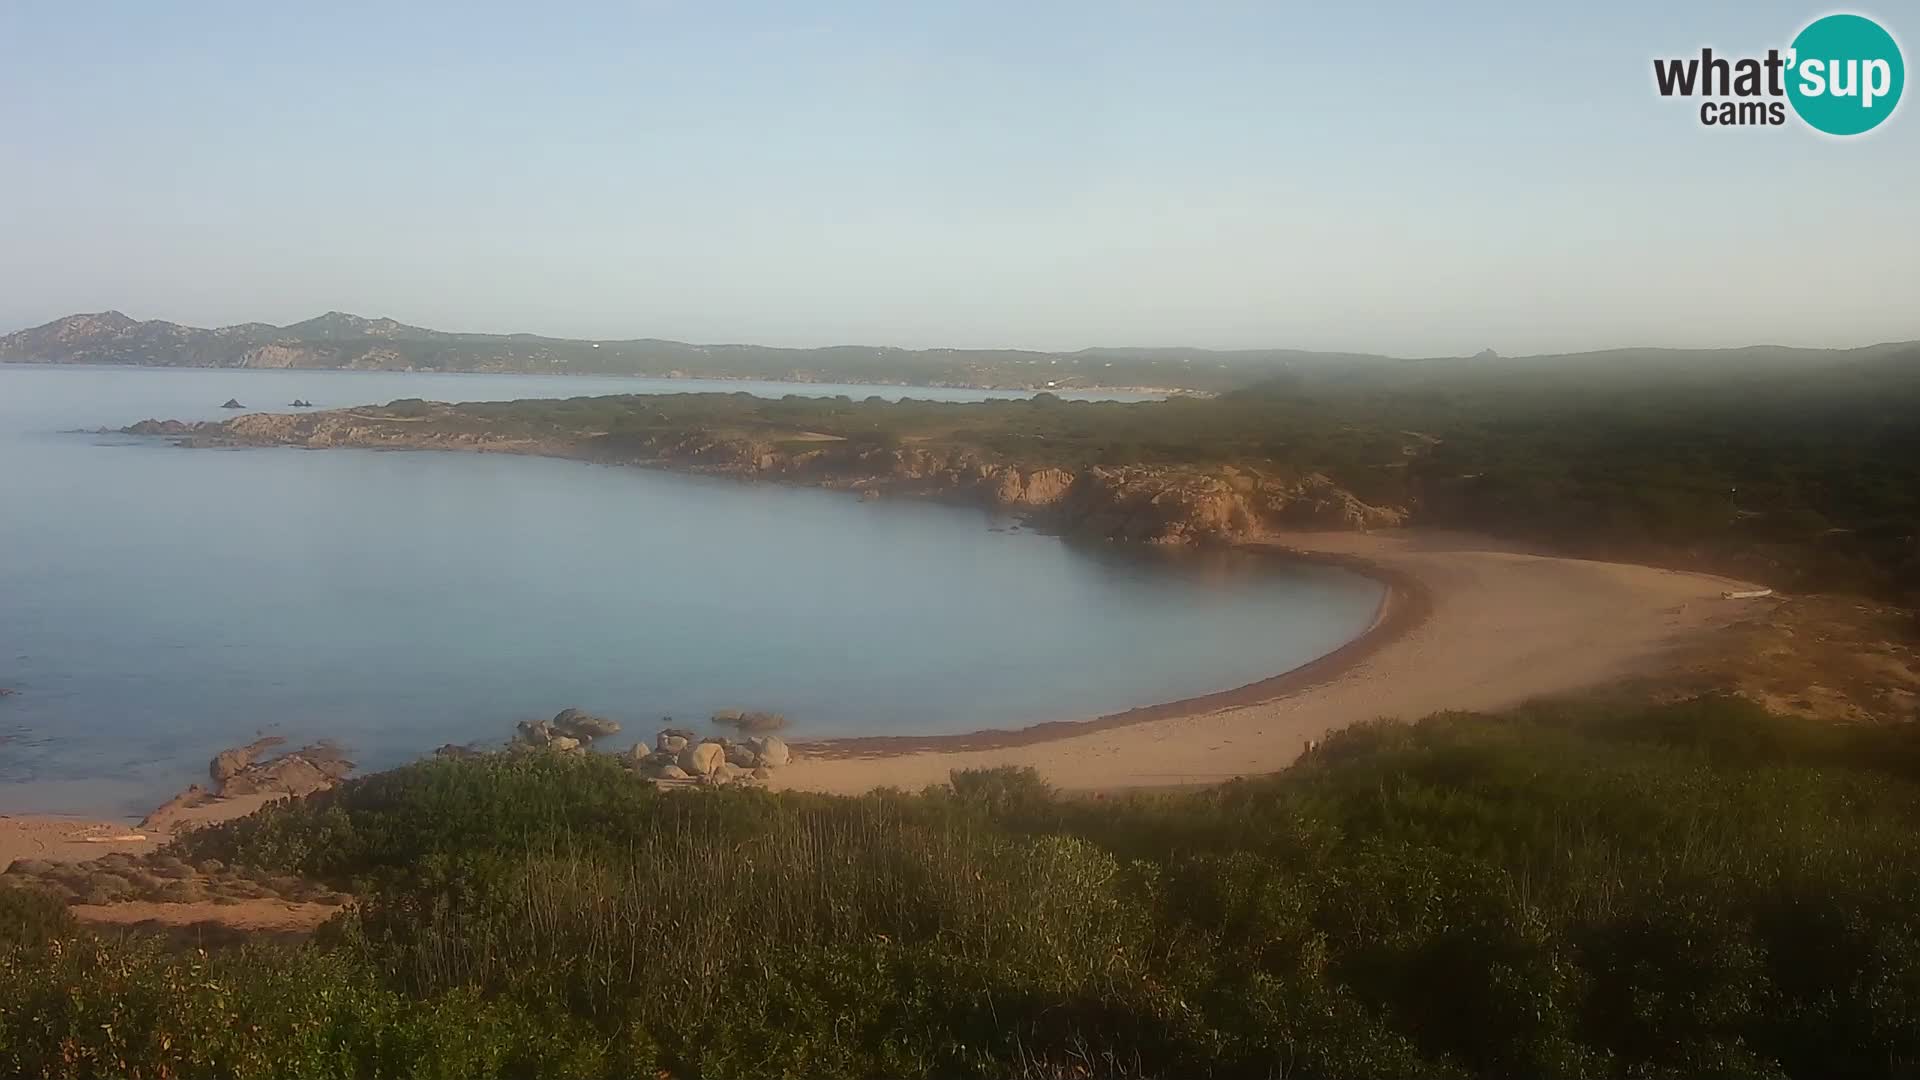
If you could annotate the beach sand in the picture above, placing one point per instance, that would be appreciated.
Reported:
(77, 839)
(1470, 623)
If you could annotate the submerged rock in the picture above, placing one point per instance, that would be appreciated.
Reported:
(582, 725)
(751, 721)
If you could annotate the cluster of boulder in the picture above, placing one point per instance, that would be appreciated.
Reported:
(570, 731)
(246, 770)
(678, 756)
(675, 757)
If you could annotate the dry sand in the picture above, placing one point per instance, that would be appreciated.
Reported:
(1496, 626)
(77, 839)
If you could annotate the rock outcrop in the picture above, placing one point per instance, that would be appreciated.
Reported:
(240, 770)
(585, 726)
(1182, 504)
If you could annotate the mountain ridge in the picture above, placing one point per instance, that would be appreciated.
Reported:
(346, 341)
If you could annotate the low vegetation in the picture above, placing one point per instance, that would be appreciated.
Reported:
(1807, 479)
(1700, 889)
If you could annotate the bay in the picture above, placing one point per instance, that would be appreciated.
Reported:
(158, 604)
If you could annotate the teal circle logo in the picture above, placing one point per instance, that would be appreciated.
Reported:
(1845, 74)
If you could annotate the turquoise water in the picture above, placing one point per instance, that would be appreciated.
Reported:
(157, 604)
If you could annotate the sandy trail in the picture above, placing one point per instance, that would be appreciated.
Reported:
(279, 916)
(1502, 626)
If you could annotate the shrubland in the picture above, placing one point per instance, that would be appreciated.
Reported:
(1598, 889)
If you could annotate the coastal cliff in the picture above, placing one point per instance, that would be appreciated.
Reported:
(1161, 504)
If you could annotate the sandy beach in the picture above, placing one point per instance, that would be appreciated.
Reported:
(1491, 626)
(1469, 623)
(58, 838)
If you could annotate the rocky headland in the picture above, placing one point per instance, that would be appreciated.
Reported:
(1171, 504)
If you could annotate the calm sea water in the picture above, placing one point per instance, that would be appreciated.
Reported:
(157, 603)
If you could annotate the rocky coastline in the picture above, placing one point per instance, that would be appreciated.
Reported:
(1164, 505)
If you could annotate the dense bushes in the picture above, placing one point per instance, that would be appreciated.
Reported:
(1698, 889)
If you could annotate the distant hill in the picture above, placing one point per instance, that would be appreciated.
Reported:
(340, 340)
(344, 341)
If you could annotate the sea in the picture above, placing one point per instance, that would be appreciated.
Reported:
(158, 604)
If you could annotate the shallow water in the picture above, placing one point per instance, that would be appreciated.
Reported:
(157, 604)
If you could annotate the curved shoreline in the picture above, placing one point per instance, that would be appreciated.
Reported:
(1477, 625)
(1405, 604)
(1467, 623)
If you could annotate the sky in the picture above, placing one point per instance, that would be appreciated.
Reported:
(1408, 178)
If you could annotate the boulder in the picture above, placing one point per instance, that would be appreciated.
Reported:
(770, 751)
(672, 772)
(533, 732)
(703, 759)
(762, 773)
(670, 743)
(582, 725)
(742, 757)
(728, 773)
(727, 716)
(457, 752)
(564, 744)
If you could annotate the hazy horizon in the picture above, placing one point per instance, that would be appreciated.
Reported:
(1399, 181)
(1014, 347)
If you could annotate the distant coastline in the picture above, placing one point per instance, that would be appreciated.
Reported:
(341, 341)
(1143, 392)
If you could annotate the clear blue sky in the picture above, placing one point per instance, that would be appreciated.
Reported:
(1407, 177)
